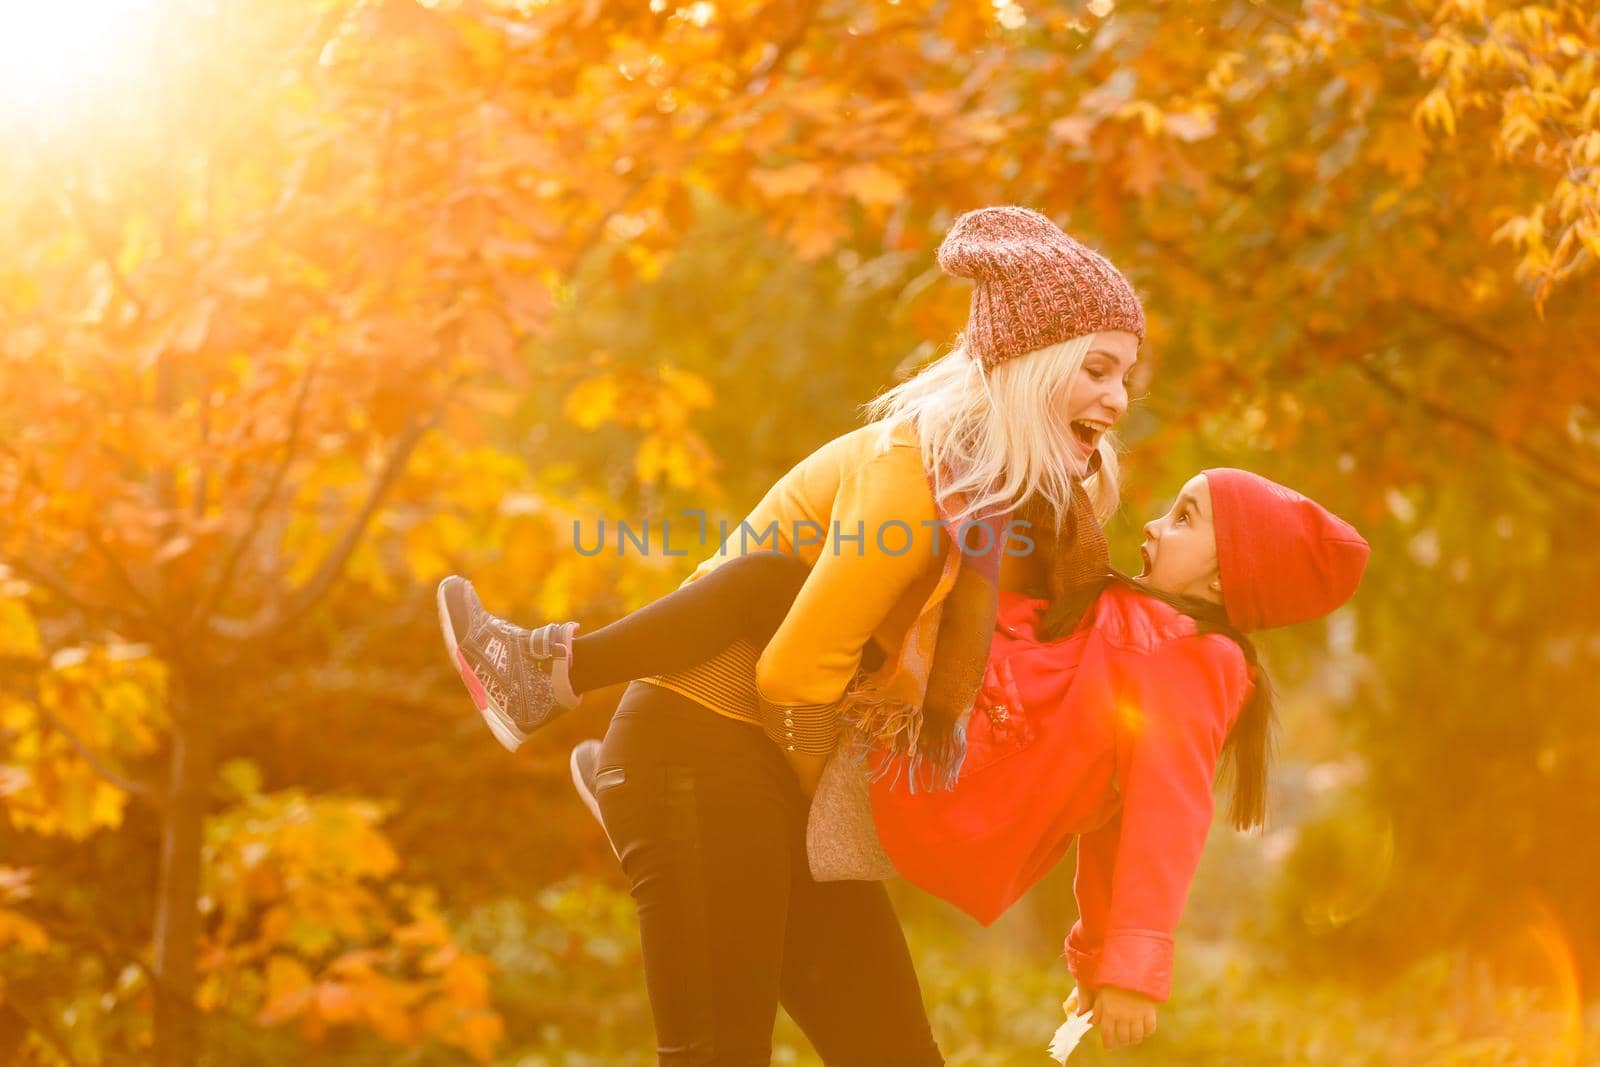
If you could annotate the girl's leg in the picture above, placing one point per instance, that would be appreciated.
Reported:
(709, 824)
(746, 597)
(521, 679)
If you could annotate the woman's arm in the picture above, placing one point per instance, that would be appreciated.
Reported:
(880, 539)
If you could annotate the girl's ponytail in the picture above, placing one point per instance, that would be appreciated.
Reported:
(1248, 749)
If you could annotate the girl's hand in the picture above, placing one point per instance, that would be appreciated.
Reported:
(1123, 1016)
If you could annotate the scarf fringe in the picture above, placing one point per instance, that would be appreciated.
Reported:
(897, 731)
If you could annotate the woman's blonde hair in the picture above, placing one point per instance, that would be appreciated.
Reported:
(999, 438)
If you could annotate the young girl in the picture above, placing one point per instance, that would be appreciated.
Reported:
(1114, 731)
(1109, 728)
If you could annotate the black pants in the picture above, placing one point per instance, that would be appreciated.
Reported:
(710, 822)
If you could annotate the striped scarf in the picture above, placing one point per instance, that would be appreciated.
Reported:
(917, 727)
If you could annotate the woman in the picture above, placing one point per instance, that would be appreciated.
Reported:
(706, 770)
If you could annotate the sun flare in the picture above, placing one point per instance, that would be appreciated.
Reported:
(58, 56)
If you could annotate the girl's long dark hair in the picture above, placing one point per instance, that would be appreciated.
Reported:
(1247, 752)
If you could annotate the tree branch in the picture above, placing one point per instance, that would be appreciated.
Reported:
(274, 620)
(43, 1027)
(111, 952)
(784, 49)
(333, 565)
(1572, 477)
(119, 572)
(55, 584)
(40, 575)
(102, 246)
(264, 501)
(1461, 328)
(143, 790)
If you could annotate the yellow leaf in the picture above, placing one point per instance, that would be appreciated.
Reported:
(648, 264)
(819, 102)
(1148, 114)
(381, 1004)
(19, 636)
(936, 105)
(288, 990)
(872, 184)
(1073, 130)
(1516, 130)
(787, 181)
(335, 1002)
(357, 963)
(1434, 112)
(693, 391)
(983, 129)
(1191, 126)
(424, 930)
(441, 957)
(1385, 201)
(817, 229)
(465, 982)
(486, 46)
(679, 458)
(1400, 152)
(26, 933)
(1589, 234)
(592, 402)
(485, 333)
(1142, 167)
(480, 1032)
(275, 926)
(242, 776)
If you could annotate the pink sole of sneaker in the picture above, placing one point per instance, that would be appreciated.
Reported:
(480, 696)
(493, 716)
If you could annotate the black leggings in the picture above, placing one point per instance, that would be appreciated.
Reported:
(709, 823)
(747, 597)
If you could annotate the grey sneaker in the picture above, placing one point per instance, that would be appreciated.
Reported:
(585, 764)
(517, 678)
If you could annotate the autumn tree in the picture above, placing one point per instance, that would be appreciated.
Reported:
(269, 321)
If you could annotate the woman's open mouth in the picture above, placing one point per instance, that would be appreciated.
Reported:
(1146, 559)
(1087, 432)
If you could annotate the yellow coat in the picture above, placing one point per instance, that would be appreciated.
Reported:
(859, 589)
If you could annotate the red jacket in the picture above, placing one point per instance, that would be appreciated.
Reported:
(1111, 734)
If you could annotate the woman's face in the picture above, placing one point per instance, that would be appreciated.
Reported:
(1098, 396)
(1180, 548)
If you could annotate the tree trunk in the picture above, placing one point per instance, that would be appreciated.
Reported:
(177, 919)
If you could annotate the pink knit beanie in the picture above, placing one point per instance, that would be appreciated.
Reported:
(1036, 286)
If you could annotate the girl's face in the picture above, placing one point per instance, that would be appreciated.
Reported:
(1180, 548)
(1098, 395)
